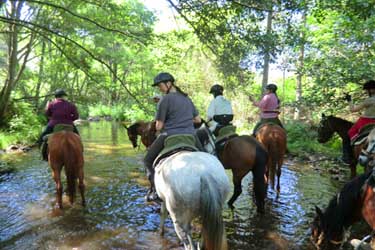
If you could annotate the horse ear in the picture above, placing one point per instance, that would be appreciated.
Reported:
(323, 115)
(123, 124)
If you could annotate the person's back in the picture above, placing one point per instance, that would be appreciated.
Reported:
(219, 112)
(178, 112)
(61, 111)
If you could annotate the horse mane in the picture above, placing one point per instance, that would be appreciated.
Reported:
(342, 209)
(340, 120)
(133, 128)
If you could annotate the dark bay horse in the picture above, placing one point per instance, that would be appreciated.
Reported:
(66, 150)
(273, 138)
(146, 130)
(330, 125)
(241, 154)
(355, 201)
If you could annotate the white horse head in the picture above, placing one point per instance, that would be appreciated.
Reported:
(193, 185)
(367, 156)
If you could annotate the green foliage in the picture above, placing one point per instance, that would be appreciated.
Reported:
(302, 141)
(23, 127)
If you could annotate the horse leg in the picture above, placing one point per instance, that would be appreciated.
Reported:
(59, 187)
(183, 234)
(237, 182)
(81, 186)
(163, 216)
(279, 165)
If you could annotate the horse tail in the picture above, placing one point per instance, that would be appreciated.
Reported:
(70, 161)
(212, 221)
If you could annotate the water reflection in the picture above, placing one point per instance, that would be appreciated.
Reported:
(116, 216)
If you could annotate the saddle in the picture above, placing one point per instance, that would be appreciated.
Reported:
(174, 144)
(264, 124)
(225, 134)
(362, 135)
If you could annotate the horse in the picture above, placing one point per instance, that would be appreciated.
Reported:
(330, 125)
(146, 130)
(193, 185)
(241, 154)
(65, 149)
(354, 202)
(273, 138)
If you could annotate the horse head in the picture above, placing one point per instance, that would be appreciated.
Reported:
(206, 138)
(322, 236)
(325, 130)
(133, 133)
(367, 156)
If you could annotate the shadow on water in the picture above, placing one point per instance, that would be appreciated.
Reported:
(116, 216)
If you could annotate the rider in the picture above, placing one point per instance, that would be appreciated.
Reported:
(269, 106)
(219, 111)
(176, 114)
(59, 111)
(368, 107)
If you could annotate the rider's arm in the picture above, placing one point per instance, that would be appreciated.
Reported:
(197, 119)
(355, 108)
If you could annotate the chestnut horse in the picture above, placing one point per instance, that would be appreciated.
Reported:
(65, 150)
(241, 154)
(355, 201)
(145, 129)
(273, 138)
(330, 125)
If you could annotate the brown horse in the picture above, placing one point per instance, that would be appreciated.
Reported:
(273, 138)
(241, 154)
(330, 125)
(145, 129)
(355, 201)
(65, 150)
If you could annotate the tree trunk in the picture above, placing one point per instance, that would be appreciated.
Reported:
(40, 76)
(301, 58)
(267, 51)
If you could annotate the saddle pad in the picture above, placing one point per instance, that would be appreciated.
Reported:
(225, 132)
(174, 144)
(61, 127)
(363, 133)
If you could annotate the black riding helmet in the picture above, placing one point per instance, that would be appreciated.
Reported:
(216, 89)
(271, 87)
(60, 93)
(163, 77)
(370, 84)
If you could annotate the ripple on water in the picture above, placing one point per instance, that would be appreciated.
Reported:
(116, 216)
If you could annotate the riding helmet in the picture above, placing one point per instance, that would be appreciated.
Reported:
(370, 84)
(216, 89)
(271, 87)
(60, 93)
(163, 77)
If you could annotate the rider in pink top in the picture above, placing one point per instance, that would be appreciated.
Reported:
(269, 107)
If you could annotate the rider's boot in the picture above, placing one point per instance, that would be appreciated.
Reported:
(44, 150)
(151, 193)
